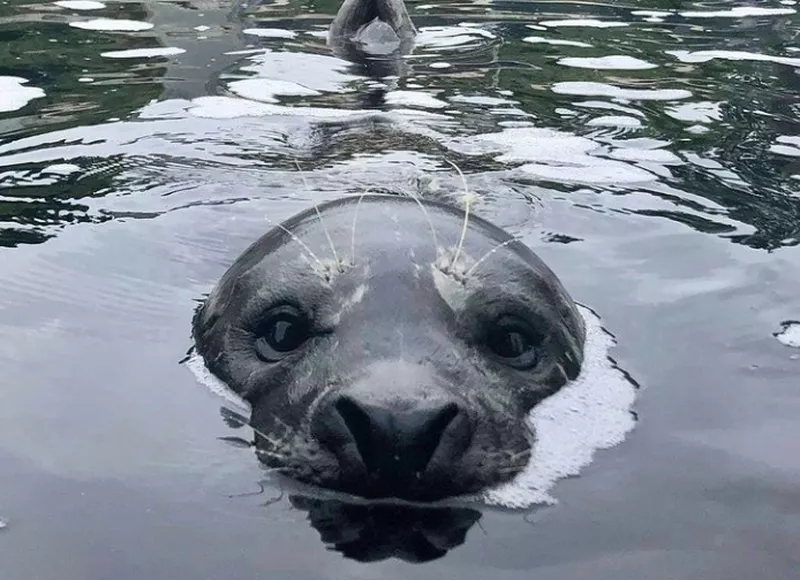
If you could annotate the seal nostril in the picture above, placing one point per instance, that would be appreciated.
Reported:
(396, 444)
(360, 427)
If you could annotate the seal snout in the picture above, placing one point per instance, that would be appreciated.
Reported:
(404, 450)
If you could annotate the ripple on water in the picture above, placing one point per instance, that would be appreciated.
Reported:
(14, 95)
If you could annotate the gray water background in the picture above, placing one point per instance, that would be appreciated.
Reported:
(681, 231)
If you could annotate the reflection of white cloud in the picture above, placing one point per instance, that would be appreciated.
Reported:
(700, 112)
(112, 25)
(314, 71)
(14, 96)
(552, 155)
(787, 145)
(232, 108)
(707, 55)
(265, 90)
(144, 52)
(583, 22)
(270, 32)
(738, 12)
(439, 37)
(414, 99)
(591, 89)
(555, 41)
(80, 4)
(612, 62)
(615, 121)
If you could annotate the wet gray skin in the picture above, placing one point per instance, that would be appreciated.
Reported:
(394, 366)
(375, 26)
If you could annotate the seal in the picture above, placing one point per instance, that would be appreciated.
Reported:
(380, 26)
(374, 35)
(391, 347)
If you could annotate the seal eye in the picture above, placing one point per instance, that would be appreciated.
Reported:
(515, 342)
(284, 329)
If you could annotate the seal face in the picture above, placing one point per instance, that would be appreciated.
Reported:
(388, 351)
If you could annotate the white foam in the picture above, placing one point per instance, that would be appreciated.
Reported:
(14, 96)
(615, 121)
(706, 55)
(207, 378)
(738, 12)
(270, 32)
(144, 52)
(591, 413)
(111, 24)
(555, 41)
(265, 90)
(789, 334)
(786, 145)
(583, 22)
(700, 112)
(61, 169)
(414, 99)
(593, 89)
(80, 4)
(612, 62)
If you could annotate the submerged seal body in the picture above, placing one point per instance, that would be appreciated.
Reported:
(388, 350)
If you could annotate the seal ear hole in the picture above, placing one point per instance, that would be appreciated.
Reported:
(515, 342)
(283, 330)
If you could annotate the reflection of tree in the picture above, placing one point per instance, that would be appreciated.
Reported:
(41, 47)
(759, 98)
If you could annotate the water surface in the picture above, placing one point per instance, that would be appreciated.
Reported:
(649, 151)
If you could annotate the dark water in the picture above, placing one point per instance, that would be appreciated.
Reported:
(125, 193)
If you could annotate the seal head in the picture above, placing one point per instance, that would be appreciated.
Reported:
(386, 351)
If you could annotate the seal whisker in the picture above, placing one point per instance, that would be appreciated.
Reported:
(467, 201)
(299, 241)
(319, 215)
(416, 198)
(355, 217)
(489, 253)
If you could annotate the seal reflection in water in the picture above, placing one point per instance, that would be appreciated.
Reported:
(391, 348)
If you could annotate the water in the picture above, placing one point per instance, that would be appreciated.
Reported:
(651, 155)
